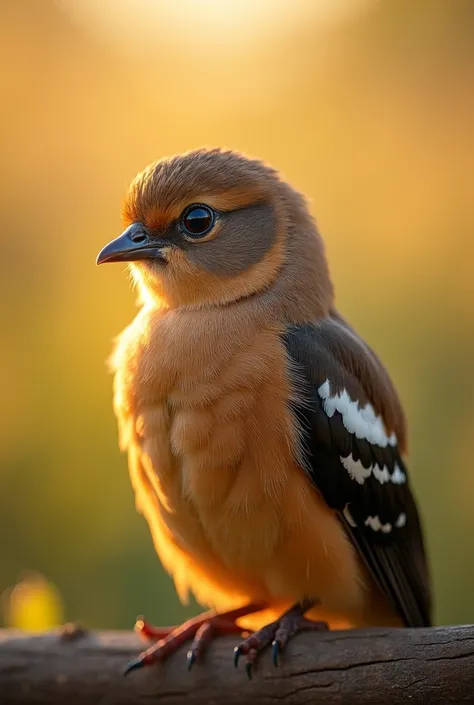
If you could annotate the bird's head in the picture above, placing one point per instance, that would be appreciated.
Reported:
(207, 227)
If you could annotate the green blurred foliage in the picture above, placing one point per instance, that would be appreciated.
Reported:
(368, 110)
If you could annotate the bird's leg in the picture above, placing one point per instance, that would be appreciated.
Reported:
(201, 629)
(277, 633)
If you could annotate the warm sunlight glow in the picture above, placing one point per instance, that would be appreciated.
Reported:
(366, 107)
(201, 26)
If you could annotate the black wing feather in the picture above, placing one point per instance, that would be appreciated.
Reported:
(396, 558)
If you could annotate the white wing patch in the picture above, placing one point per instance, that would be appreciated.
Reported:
(349, 517)
(374, 521)
(355, 469)
(381, 474)
(401, 521)
(362, 421)
(359, 473)
(398, 477)
(376, 525)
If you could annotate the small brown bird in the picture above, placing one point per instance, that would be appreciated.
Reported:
(265, 439)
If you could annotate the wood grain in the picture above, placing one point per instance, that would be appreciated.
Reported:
(348, 668)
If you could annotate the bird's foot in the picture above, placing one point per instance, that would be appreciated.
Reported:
(201, 629)
(277, 633)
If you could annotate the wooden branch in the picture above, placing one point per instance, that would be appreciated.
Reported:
(375, 667)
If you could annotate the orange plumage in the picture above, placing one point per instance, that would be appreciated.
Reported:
(204, 389)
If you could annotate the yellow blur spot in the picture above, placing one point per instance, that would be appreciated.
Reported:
(34, 604)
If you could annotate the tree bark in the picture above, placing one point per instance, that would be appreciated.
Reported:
(369, 667)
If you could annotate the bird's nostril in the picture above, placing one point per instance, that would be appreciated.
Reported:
(139, 237)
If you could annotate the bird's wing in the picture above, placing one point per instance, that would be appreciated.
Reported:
(343, 398)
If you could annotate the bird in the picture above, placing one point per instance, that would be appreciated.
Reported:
(267, 445)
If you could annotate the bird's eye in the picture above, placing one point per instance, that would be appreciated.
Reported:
(197, 220)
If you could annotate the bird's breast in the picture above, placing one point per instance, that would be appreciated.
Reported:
(216, 432)
(217, 453)
(207, 397)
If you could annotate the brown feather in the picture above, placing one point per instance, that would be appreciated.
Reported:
(202, 389)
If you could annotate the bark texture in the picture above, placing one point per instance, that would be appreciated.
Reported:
(367, 667)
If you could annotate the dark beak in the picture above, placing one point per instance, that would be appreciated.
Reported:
(133, 244)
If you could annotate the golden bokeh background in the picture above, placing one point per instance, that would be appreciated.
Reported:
(367, 106)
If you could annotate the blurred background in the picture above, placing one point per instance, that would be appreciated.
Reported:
(365, 105)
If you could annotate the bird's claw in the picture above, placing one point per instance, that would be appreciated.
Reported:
(238, 651)
(134, 665)
(201, 629)
(276, 647)
(191, 658)
(237, 654)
